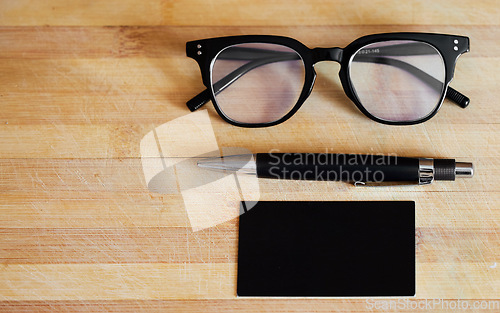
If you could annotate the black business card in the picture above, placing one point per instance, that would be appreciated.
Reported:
(344, 249)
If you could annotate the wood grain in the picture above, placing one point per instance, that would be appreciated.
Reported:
(226, 305)
(255, 13)
(82, 82)
(195, 281)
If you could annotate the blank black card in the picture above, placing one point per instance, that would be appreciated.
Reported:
(345, 249)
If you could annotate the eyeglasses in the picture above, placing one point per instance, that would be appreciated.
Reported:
(394, 78)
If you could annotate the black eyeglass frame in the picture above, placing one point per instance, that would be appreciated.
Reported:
(205, 52)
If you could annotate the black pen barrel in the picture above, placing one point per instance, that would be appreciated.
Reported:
(337, 167)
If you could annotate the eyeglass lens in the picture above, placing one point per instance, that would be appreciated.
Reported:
(399, 80)
(257, 82)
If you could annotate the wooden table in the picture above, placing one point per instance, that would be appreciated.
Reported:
(82, 82)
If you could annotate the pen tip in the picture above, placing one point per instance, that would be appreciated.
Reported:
(242, 163)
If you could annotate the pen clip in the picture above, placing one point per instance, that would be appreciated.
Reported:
(384, 184)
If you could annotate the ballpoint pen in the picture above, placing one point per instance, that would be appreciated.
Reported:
(362, 170)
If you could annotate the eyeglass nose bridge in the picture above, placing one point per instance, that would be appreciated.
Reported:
(327, 54)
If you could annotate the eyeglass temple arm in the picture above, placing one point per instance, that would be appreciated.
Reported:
(262, 57)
